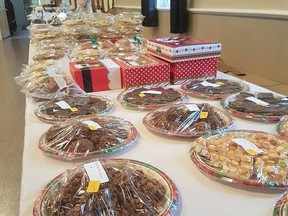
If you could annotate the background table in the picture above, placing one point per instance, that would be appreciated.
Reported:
(200, 195)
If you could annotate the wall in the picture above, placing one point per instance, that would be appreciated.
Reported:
(254, 41)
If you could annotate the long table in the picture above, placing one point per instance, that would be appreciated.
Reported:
(200, 195)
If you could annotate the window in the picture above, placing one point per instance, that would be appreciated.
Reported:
(163, 3)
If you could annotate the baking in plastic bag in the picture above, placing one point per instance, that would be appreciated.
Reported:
(86, 137)
(188, 120)
(130, 188)
(63, 108)
(264, 160)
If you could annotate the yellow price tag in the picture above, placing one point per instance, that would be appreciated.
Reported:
(143, 62)
(203, 115)
(251, 152)
(261, 104)
(141, 95)
(73, 109)
(38, 74)
(219, 83)
(93, 186)
(92, 58)
(92, 127)
(81, 57)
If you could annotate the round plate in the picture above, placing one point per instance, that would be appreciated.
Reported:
(180, 130)
(281, 207)
(235, 165)
(59, 153)
(282, 127)
(211, 91)
(225, 103)
(169, 203)
(41, 111)
(149, 104)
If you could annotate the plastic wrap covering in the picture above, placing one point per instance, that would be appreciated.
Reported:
(87, 137)
(55, 44)
(100, 20)
(43, 33)
(73, 21)
(282, 127)
(244, 157)
(52, 86)
(262, 106)
(280, 207)
(129, 18)
(128, 47)
(29, 75)
(125, 187)
(213, 88)
(80, 33)
(144, 98)
(61, 109)
(51, 55)
(92, 50)
(188, 120)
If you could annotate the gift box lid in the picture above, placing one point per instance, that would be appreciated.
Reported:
(183, 46)
(138, 61)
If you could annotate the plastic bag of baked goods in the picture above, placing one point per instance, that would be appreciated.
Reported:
(80, 33)
(91, 50)
(100, 20)
(188, 120)
(38, 34)
(73, 106)
(245, 157)
(87, 137)
(49, 55)
(125, 47)
(29, 76)
(109, 187)
(51, 86)
(55, 44)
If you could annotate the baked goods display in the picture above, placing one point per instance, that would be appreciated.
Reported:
(261, 106)
(126, 187)
(145, 98)
(187, 120)
(281, 206)
(67, 107)
(245, 157)
(49, 55)
(126, 18)
(87, 137)
(282, 127)
(53, 86)
(213, 88)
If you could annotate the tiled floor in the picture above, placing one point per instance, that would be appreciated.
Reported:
(14, 53)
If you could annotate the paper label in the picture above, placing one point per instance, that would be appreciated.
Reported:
(141, 95)
(38, 74)
(257, 101)
(95, 171)
(93, 186)
(92, 125)
(63, 105)
(192, 107)
(220, 83)
(249, 147)
(203, 115)
(151, 92)
(206, 84)
(73, 109)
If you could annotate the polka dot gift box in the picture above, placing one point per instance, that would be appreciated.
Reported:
(188, 57)
(143, 70)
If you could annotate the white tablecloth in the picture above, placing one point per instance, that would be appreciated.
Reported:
(200, 195)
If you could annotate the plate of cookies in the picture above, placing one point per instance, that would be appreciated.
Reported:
(243, 157)
(87, 137)
(109, 187)
(188, 120)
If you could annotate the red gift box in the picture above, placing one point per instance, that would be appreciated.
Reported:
(143, 70)
(187, 70)
(96, 76)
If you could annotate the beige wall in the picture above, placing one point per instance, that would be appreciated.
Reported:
(253, 45)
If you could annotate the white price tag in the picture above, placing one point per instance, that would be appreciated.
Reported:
(257, 101)
(133, 63)
(206, 84)
(249, 147)
(151, 92)
(192, 107)
(95, 171)
(92, 125)
(63, 105)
